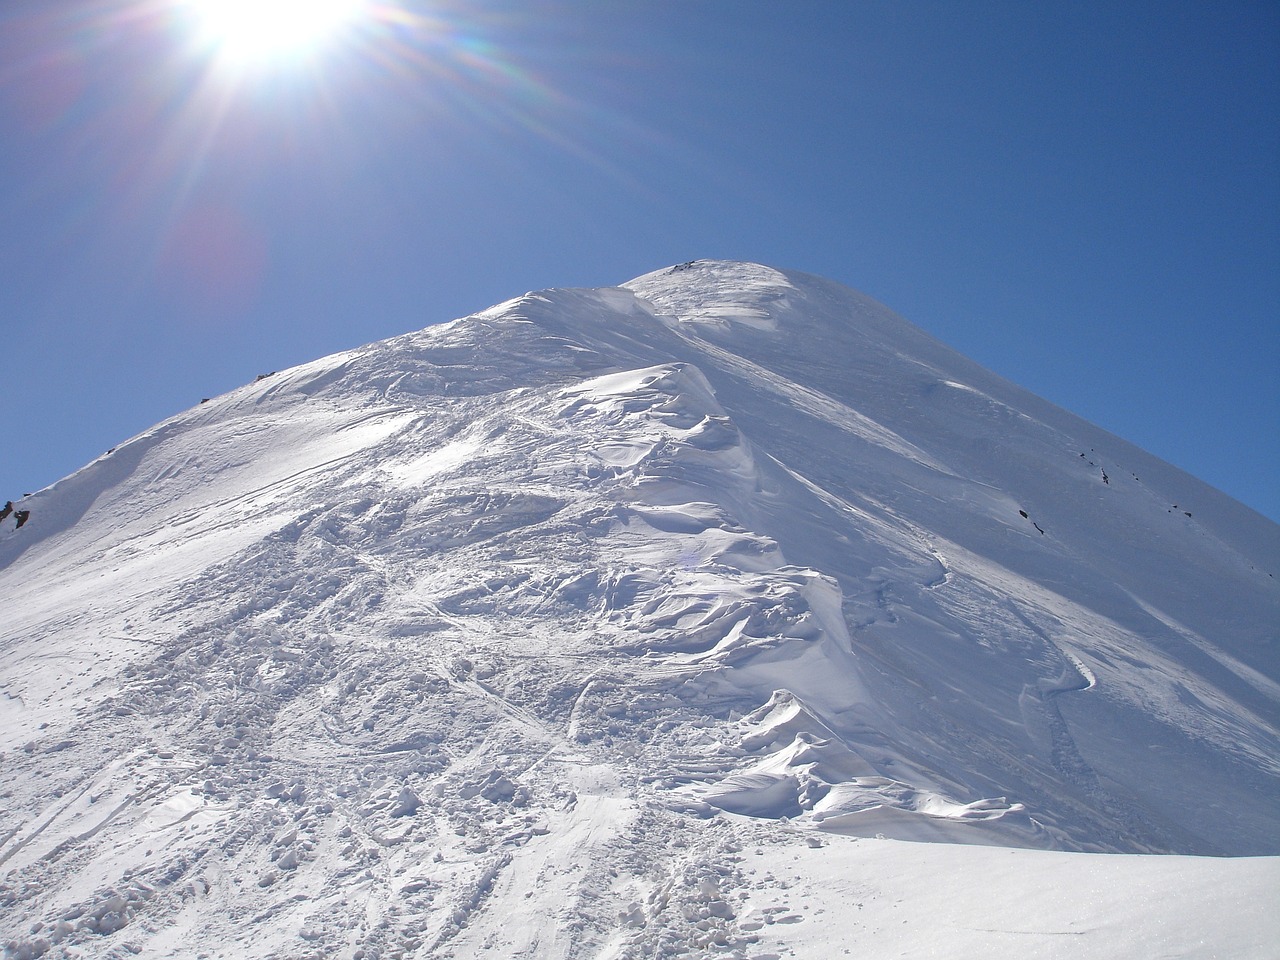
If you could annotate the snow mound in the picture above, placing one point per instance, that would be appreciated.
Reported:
(593, 623)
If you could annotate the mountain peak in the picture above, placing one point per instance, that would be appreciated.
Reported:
(724, 554)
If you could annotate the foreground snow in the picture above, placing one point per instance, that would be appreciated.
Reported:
(621, 623)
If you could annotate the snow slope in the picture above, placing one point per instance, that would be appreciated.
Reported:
(646, 621)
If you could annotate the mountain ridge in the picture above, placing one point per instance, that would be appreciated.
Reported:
(725, 545)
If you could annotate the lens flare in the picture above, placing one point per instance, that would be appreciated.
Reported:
(193, 123)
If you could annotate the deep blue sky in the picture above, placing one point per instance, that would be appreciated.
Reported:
(1084, 197)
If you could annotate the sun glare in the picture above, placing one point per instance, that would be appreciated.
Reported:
(247, 32)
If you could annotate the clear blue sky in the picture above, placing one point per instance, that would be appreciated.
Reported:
(1084, 197)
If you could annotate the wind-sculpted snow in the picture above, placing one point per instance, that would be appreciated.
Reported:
(620, 623)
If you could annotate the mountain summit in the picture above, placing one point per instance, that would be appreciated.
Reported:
(517, 635)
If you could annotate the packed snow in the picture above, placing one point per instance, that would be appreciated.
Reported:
(720, 614)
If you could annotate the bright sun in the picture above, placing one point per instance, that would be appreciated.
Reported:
(247, 32)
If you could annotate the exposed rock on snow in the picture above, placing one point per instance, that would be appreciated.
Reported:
(604, 623)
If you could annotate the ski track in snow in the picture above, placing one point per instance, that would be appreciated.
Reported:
(721, 615)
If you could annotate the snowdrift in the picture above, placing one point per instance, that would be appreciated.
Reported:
(636, 622)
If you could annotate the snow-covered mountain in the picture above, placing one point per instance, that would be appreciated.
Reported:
(637, 622)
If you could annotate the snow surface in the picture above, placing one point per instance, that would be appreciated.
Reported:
(720, 614)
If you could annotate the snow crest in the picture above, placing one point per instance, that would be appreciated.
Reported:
(571, 627)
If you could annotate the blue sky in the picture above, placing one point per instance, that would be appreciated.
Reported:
(1084, 197)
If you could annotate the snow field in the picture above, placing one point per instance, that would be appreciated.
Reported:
(603, 624)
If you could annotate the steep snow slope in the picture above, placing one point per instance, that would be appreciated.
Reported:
(574, 627)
